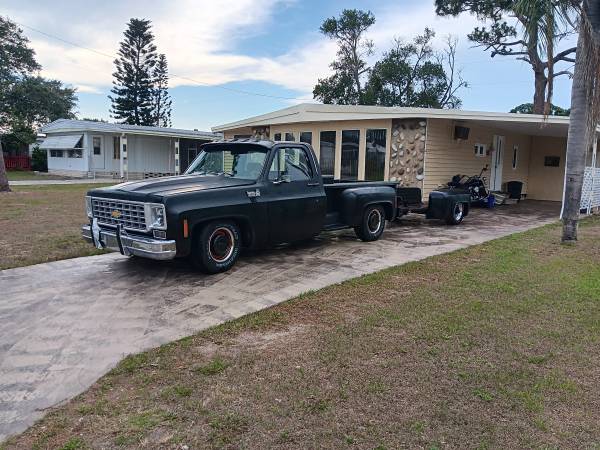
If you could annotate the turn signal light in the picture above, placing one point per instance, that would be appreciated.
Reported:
(186, 231)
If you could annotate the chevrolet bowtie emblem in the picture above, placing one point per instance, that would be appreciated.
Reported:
(115, 214)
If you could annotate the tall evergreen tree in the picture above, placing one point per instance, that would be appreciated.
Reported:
(162, 99)
(133, 82)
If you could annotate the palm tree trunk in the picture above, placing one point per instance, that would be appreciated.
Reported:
(4, 187)
(577, 146)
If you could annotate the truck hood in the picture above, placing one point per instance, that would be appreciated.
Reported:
(161, 187)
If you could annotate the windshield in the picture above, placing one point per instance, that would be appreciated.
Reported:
(242, 162)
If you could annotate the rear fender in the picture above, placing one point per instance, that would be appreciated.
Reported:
(442, 203)
(355, 200)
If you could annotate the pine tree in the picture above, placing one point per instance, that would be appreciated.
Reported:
(133, 80)
(162, 99)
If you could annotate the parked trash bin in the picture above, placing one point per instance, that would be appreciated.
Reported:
(491, 201)
(514, 188)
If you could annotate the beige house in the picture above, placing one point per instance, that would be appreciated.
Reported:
(425, 147)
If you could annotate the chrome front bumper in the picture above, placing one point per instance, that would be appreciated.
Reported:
(145, 247)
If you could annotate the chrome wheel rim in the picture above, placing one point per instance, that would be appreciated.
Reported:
(458, 211)
(374, 221)
(221, 244)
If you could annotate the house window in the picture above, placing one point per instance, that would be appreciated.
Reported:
(75, 153)
(327, 153)
(306, 137)
(289, 137)
(277, 137)
(56, 153)
(375, 155)
(292, 163)
(97, 145)
(116, 147)
(515, 158)
(552, 161)
(350, 142)
(480, 150)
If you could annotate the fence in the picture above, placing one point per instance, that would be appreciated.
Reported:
(590, 195)
(17, 162)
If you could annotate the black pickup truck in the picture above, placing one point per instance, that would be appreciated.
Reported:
(252, 194)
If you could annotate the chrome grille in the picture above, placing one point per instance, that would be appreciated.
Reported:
(131, 214)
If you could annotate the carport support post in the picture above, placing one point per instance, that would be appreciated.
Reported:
(123, 156)
(177, 169)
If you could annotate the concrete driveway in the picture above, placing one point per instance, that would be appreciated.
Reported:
(64, 324)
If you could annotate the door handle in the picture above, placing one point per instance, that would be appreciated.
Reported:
(314, 184)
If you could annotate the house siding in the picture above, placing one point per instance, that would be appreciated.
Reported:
(546, 183)
(446, 156)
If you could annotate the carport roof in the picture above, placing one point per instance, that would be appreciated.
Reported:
(69, 125)
(531, 124)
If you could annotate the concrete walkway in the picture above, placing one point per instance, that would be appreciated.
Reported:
(71, 181)
(65, 324)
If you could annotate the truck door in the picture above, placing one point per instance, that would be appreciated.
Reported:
(295, 196)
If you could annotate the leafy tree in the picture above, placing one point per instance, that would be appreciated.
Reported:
(345, 86)
(162, 99)
(36, 100)
(16, 57)
(412, 74)
(527, 108)
(132, 99)
(26, 100)
(585, 113)
(541, 25)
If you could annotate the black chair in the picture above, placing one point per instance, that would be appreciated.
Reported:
(514, 189)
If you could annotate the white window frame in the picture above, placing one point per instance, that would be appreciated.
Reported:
(515, 157)
(93, 147)
(480, 150)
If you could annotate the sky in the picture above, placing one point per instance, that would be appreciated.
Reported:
(232, 59)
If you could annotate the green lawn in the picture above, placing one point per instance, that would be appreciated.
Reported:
(22, 175)
(495, 346)
(42, 223)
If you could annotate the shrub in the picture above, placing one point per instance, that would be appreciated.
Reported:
(39, 160)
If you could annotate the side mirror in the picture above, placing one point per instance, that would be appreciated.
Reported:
(485, 168)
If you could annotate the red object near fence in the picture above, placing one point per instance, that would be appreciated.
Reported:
(17, 162)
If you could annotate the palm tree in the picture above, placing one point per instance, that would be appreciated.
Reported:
(545, 22)
(585, 113)
(585, 92)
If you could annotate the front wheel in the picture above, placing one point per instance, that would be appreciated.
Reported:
(456, 215)
(217, 247)
(372, 224)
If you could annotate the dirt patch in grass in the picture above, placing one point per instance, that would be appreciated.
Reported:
(42, 223)
(495, 346)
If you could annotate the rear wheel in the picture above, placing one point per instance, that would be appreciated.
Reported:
(456, 215)
(372, 224)
(217, 247)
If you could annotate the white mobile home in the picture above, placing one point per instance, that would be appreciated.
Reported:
(84, 148)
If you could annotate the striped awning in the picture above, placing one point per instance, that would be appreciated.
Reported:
(62, 142)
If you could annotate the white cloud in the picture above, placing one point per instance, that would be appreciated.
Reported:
(198, 38)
